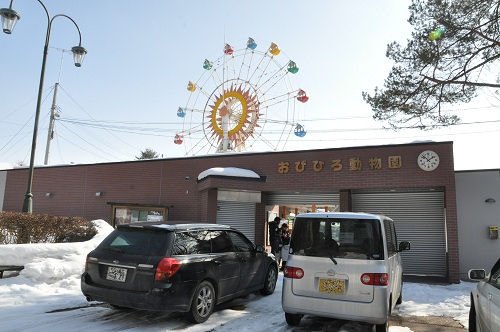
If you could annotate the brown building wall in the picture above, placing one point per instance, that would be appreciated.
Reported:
(173, 183)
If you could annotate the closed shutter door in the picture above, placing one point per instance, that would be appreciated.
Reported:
(303, 199)
(240, 215)
(418, 218)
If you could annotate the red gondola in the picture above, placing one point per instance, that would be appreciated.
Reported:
(228, 50)
(178, 139)
(302, 97)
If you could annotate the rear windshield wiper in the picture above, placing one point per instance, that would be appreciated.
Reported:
(118, 250)
(333, 259)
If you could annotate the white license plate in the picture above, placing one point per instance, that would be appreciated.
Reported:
(116, 274)
(332, 286)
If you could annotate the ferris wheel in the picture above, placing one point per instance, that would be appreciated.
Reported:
(242, 100)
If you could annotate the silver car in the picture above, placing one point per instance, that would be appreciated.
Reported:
(484, 314)
(344, 266)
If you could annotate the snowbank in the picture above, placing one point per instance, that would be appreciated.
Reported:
(50, 262)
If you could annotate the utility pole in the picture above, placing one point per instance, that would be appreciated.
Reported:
(53, 115)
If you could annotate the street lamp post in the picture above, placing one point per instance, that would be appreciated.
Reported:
(9, 18)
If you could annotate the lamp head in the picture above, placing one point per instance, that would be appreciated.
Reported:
(9, 19)
(78, 54)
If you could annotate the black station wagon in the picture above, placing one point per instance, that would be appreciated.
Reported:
(185, 267)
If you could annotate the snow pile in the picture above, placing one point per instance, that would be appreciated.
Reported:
(50, 262)
(5, 166)
(228, 171)
(437, 300)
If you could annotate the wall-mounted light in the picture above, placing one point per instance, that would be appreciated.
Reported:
(187, 178)
(99, 193)
(490, 200)
(48, 194)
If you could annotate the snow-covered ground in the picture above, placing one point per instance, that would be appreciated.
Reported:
(46, 296)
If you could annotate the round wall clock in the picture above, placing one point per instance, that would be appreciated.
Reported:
(428, 160)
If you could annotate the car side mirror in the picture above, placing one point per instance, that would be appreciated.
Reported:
(259, 248)
(478, 274)
(404, 245)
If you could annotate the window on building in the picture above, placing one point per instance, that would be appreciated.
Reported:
(131, 214)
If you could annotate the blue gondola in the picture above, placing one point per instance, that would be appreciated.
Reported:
(251, 44)
(181, 112)
(300, 131)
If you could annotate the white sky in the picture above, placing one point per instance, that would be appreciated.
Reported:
(141, 56)
(51, 282)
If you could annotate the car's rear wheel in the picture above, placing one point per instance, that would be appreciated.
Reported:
(203, 303)
(270, 281)
(293, 319)
(472, 316)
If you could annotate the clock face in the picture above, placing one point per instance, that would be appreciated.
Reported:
(428, 160)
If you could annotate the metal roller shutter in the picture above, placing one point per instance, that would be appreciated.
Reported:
(240, 215)
(303, 198)
(419, 217)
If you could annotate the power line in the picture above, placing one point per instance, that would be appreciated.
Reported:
(93, 145)
(82, 148)
(79, 106)
(15, 135)
(138, 130)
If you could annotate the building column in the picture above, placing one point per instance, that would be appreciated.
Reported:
(345, 200)
(208, 204)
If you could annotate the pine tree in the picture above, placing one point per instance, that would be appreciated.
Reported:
(454, 50)
(147, 154)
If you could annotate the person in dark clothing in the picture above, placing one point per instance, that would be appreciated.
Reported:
(274, 236)
(285, 242)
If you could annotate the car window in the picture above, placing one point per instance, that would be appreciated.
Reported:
(343, 238)
(137, 242)
(495, 275)
(240, 243)
(188, 243)
(221, 242)
(390, 237)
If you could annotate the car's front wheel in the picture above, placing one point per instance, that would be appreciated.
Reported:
(203, 303)
(472, 316)
(293, 319)
(270, 281)
(382, 327)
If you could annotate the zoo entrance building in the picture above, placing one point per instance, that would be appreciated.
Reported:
(414, 184)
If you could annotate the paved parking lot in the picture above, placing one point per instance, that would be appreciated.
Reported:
(428, 323)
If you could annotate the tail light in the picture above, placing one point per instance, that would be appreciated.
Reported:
(293, 272)
(88, 260)
(375, 279)
(167, 267)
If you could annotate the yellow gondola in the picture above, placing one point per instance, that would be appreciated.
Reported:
(274, 49)
(191, 86)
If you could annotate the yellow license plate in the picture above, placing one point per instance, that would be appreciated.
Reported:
(332, 286)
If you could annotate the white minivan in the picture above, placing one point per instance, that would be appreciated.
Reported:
(343, 265)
